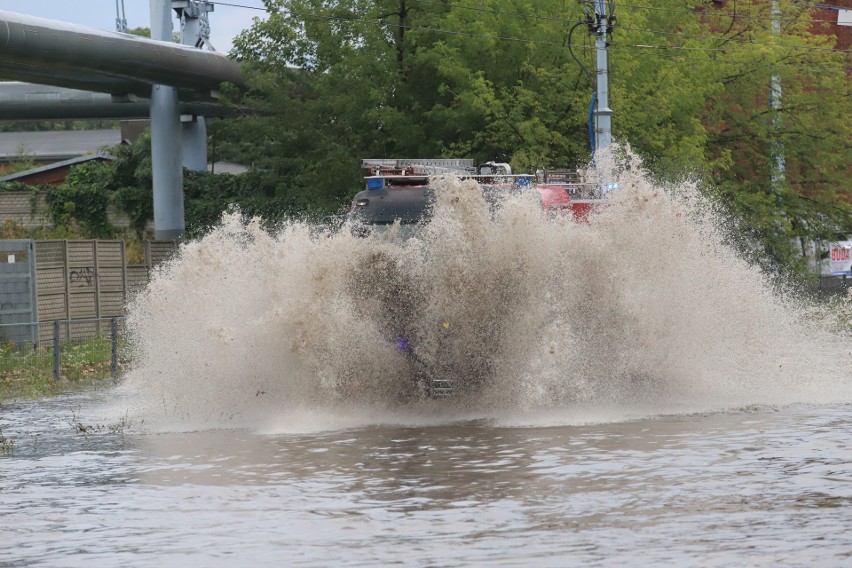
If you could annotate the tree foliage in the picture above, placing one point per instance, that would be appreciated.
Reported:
(335, 81)
(80, 205)
(254, 194)
(83, 200)
(92, 187)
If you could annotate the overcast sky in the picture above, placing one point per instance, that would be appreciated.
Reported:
(225, 21)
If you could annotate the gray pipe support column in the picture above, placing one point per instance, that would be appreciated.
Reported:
(194, 141)
(194, 129)
(167, 164)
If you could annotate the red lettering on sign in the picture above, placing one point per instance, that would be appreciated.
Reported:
(840, 254)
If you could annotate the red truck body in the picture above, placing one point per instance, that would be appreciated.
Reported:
(398, 190)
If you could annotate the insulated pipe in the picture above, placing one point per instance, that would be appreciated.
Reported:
(25, 101)
(67, 78)
(51, 46)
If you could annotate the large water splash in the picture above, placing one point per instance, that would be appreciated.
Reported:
(643, 309)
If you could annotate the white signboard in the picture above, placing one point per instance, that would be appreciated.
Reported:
(840, 258)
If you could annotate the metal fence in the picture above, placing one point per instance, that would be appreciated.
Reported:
(829, 287)
(17, 287)
(73, 349)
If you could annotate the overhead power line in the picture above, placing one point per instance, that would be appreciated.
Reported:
(715, 14)
(659, 53)
(736, 40)
(717, 49)
(261, 8)
(525, 15)
(387, 23)
(535, 16)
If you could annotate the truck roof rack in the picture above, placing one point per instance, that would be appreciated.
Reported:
(419, 166)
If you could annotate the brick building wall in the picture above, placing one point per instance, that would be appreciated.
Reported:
(53, 176)
(830, 17)
(834, 17)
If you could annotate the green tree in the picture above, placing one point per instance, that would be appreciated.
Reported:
(254, 194)
(80, 205)
(140, 31)
(335, 81)
(82, 201)
(131, 180)
(22, 162)
(811, 198)
(408, 78)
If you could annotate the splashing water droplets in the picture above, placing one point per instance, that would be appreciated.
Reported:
(642, 306)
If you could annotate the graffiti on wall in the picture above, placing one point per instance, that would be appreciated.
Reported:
(82, 277)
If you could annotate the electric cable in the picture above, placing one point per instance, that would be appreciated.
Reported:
(553, 19)
(550, 43)
(564, 20)
(232, 5)
(733, 15)
(735, 40)
(571, 51)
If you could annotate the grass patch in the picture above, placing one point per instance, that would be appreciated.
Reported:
(27, 371)
(6, 444)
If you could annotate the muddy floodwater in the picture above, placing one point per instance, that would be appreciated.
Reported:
(622, 391)
(761, 486)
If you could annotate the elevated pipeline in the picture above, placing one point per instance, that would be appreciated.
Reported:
(26, 101)
(57, 53)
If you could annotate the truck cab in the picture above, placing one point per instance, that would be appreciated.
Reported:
(398, 197)
(399, 190)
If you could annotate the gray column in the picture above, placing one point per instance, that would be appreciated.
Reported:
(194, 141)
(166, 161)
(778, 165)
(604, 113)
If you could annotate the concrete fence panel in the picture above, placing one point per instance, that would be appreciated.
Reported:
(81, 283)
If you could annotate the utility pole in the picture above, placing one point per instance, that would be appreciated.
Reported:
(778, 164)
(603, 115)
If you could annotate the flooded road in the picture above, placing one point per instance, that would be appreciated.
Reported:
(625, 391)
(760, 486)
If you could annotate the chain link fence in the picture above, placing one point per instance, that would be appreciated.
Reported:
(93, 348)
